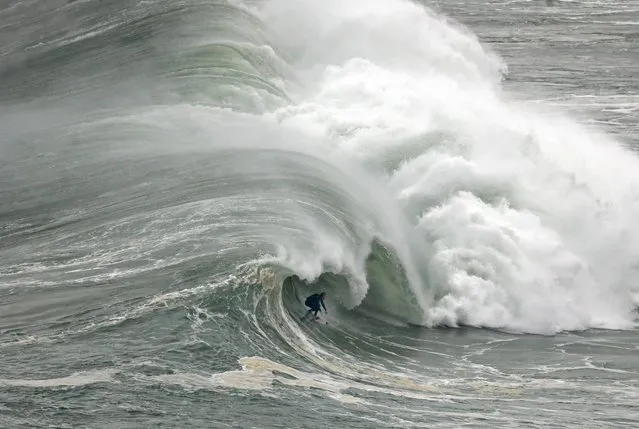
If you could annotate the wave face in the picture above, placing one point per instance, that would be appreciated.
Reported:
(178, 176)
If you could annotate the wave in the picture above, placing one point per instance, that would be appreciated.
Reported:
(366, 147)
(515, 218)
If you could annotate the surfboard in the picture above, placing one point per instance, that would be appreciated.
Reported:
(316, 319)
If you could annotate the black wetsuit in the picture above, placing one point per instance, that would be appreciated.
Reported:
(313, 302)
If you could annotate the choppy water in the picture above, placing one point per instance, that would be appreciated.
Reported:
(459, 176)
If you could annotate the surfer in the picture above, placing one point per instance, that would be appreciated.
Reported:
(313, 302)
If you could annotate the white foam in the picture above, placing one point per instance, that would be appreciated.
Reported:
(76, 379)
(265, 376)
(259, 373)
(525, 220)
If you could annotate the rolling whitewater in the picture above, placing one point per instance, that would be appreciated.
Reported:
(461, 178)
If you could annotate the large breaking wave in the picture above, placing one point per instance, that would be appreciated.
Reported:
(365, 147)
(500, 215)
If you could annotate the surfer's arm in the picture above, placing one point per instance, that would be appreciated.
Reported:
(325, 311)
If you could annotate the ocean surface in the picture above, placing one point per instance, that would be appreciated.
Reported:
(460, 177)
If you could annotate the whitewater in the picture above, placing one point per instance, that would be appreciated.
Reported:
(461, 178)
